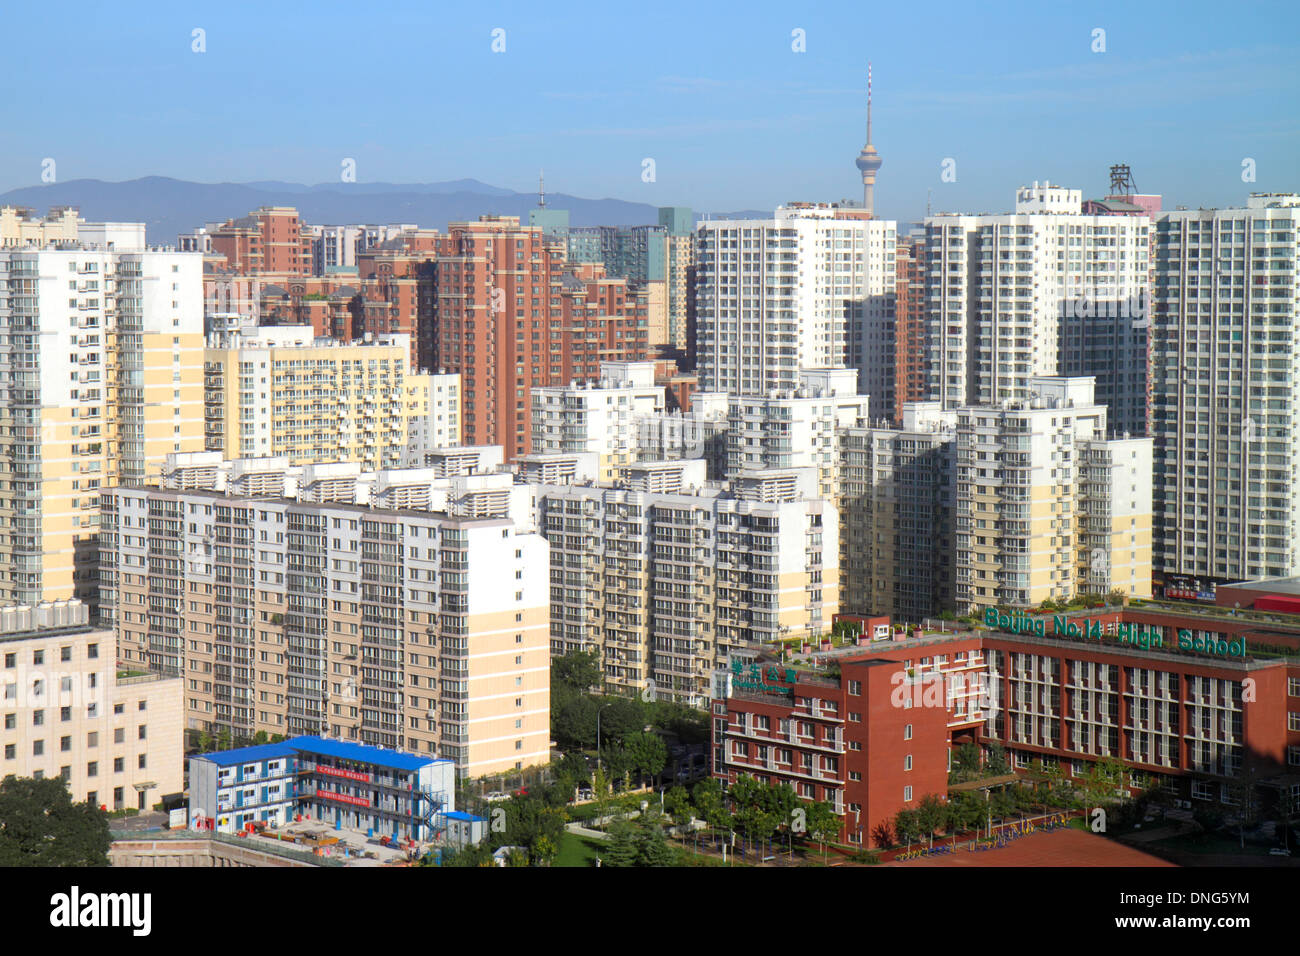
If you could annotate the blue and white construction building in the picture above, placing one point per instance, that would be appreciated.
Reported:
(372, 789)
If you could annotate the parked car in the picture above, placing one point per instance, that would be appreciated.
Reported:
(1279, 851)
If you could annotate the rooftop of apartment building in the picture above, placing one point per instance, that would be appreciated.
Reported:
(453, 520)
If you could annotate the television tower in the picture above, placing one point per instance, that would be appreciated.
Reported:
(868, 160)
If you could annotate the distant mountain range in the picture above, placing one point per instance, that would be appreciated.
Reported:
(169, 207)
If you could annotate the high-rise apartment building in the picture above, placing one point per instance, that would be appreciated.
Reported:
(665, 586)
(813, 287)
(679, 261)
(1226, 390)
(101, 377)
(394, 627)
(1046, 290)
(269, 240)
(279, 390)
(910, 382)
(601, 417)
(1046, 506)
(896, 499)
(798, 428)
(509, 315)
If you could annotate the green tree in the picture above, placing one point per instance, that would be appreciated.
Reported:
(622, 848)
(652, 847)
(677, 804)
(711, 803)
(995, 761)
(619, 718)
(573, 720)
(41, 826)
(578, 670)
(647, 753)
(907, 826)
(688, 725)
(600, 793)
(931, 815)
(823, 823)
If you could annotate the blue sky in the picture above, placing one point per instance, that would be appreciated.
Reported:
(733, 118)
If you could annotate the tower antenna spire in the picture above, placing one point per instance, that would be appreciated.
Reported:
(868, 160)
(868, 102)
(541, 188)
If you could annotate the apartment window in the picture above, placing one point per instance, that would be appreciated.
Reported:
(10, 752)
(141, 734)
(65, 653)
(141, 762)
(907, 794)
(65, 714)
(92, 739)
(38, 718)
(92, 798)
(38, 657)
(38, 748)
(907, 762)
(11, 661)
(855, 688)
(141, 706)
(855, 718)
(907, 732)
(92, 651)
(1293, 686)
(119, 764)
(11, 721)
(119, 735)
(1293, 720)
(92, 769)
(65, 744)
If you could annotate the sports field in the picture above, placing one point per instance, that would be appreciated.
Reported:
(1060, 848)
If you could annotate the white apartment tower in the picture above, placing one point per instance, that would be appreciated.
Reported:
(813, 287)
(101, 377)
(601, 418)
(1045, 290)
(1226, 390)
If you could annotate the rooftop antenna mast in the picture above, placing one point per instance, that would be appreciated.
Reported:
(541, 188)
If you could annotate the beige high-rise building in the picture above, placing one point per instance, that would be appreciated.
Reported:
(665, 585)
(393, 627)
(21, 227)
(116, 740)
(1046, 506)
(101, 377)
(281, 391)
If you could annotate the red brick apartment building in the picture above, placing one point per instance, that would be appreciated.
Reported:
(492, 300)
(269, 240)
(909, 326)
(510, 314)
(1190, 700)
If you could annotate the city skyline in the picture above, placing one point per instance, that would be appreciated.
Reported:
(732, 116)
